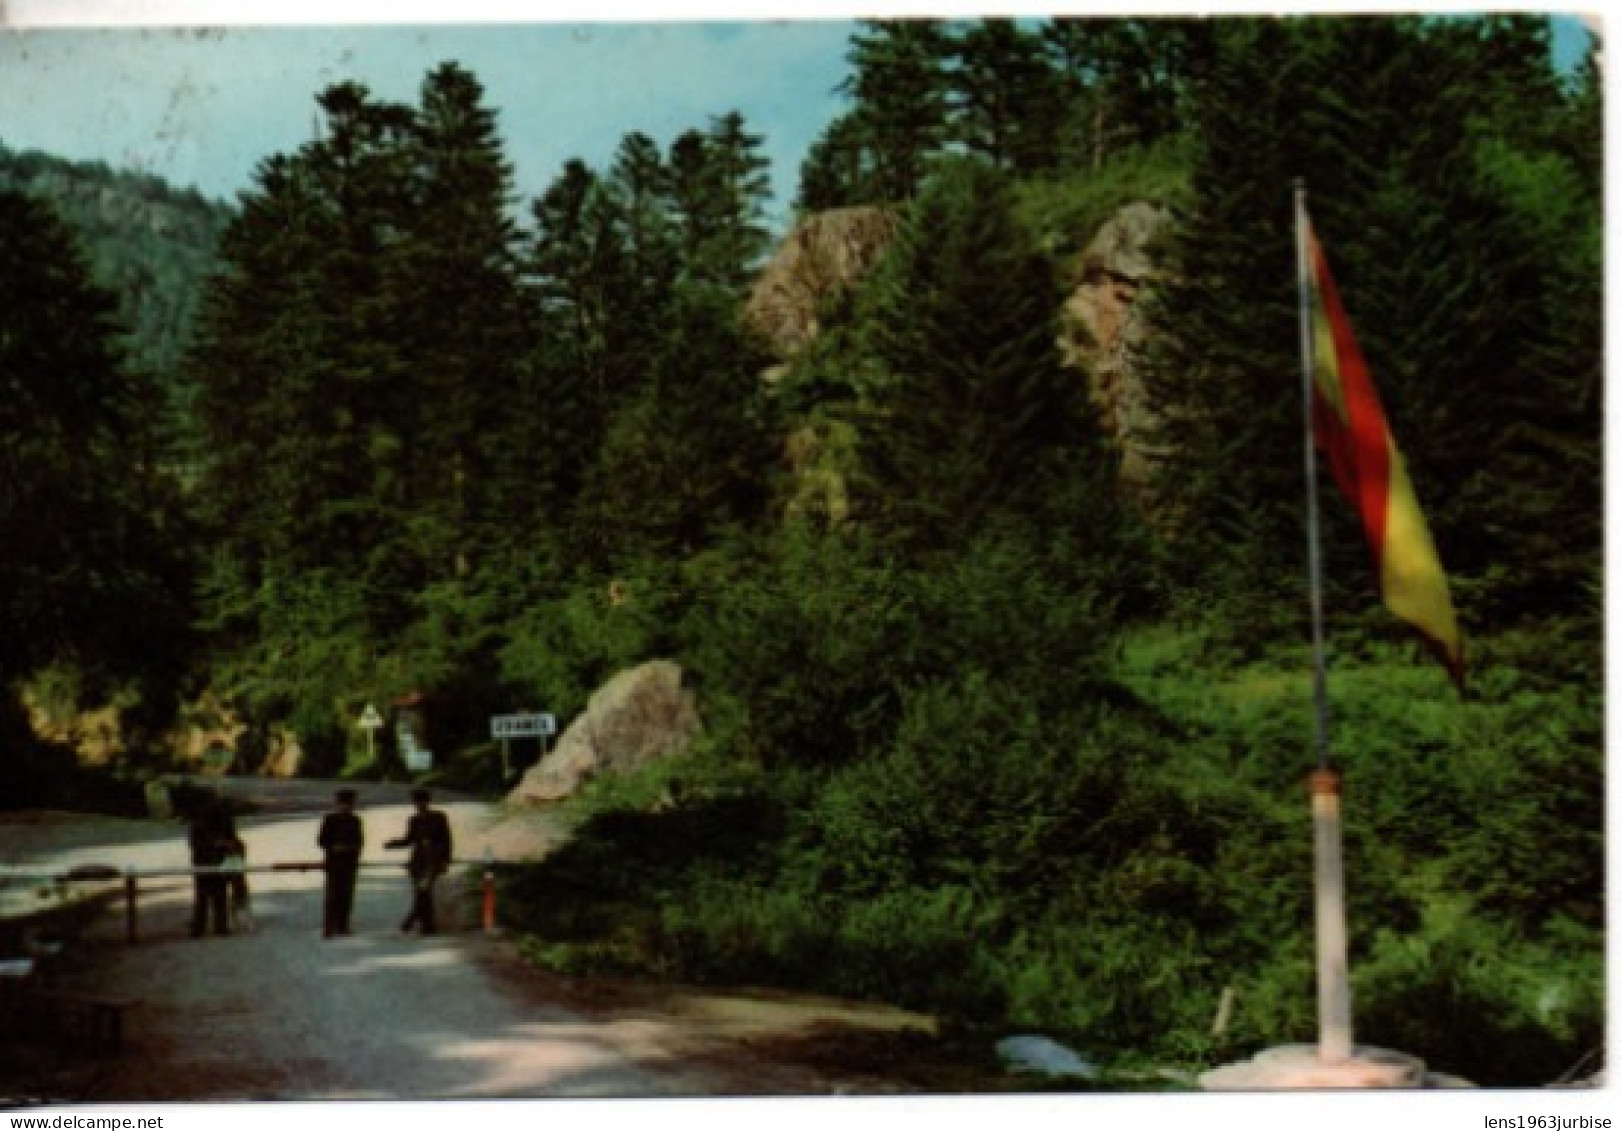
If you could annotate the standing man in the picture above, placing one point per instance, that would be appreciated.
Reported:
(210, 837)
(427, 834)
(341, 838)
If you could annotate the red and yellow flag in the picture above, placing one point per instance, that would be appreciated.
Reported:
(1349, 424)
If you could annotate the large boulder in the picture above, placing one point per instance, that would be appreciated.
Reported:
(640, 715)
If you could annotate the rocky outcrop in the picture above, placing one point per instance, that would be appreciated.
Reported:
(825, 254)
(95, 734)
(1104, 329)
(640, 715)
(1102, 326)
(210, 737)
(284, 754)
(828, 254)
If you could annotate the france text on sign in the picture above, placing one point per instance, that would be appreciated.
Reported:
(523, 726)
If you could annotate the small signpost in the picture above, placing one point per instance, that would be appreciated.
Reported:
(370, 720)
(530, 724)
(525, 724)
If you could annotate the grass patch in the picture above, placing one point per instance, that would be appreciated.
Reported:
(1105, 873)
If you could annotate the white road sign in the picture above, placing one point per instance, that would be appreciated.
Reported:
(533, 725)
(370, 719)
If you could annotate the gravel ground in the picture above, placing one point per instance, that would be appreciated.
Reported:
(280, 1013)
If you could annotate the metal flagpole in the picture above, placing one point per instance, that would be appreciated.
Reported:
(1333, 975)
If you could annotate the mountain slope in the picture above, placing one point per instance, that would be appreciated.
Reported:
(151, 244)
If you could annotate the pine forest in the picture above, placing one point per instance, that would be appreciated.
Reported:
(1005, 691)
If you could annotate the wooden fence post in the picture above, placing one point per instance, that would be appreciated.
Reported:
(131, 916)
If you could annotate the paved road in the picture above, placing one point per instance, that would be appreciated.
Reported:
(281, 1013)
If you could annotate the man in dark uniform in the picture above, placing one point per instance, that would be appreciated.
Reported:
(341, 838)
(210, 837)
(427, 834)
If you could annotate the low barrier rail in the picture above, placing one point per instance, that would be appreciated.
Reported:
(132, 877)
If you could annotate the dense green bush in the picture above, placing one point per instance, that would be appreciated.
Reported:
(1473, 846)
(809, 647)
(1110, 868)
(1064, 212)
(564, 647)
(979, 737)
(1476, 995)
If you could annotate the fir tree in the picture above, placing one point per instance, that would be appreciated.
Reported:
(719, 184)
(86, 573)
(901, 100)
(1008, 99)
(640, 184)
(839, 170)
(463, 324)
(741, 181)
(972, 407)
(1442, 277)
(1125, 82)
(687, 455)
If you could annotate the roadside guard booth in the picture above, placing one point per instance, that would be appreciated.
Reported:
(411, 732)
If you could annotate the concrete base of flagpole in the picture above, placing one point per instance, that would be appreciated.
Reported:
(1297, 1067)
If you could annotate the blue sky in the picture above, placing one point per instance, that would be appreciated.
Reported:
(201, 109)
